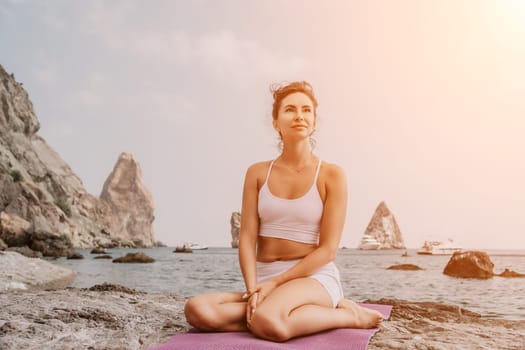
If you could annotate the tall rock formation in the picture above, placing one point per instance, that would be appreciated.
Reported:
(43, 203)
(383, 227)
(235, 222)
(130, 201)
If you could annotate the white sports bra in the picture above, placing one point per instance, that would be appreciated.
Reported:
(295, 219)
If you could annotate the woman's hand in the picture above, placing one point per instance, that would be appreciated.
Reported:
(256, 296)
(262, 290)
(251, 306)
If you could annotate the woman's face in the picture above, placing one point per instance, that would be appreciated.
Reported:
(296, 117)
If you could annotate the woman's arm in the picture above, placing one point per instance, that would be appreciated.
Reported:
(249, 228)
(332, 224)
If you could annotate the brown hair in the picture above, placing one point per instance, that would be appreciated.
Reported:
(280, 91)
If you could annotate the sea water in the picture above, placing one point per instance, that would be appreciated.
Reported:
(364, 276)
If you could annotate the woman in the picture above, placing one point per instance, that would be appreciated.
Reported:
(293, 212)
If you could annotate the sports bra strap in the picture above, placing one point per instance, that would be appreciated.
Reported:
(317, 172)
(269, 171)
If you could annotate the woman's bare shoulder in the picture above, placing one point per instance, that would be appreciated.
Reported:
(258, 169)
(332, 170)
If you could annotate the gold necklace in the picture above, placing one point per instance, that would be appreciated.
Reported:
(301, 168)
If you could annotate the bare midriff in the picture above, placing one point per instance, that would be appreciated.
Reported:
(273, 249)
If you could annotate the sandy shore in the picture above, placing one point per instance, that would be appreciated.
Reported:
(115, 317)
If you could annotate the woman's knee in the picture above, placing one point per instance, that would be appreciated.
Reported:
(268, 326)
(199, 314)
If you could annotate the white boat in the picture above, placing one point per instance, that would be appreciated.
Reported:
(196, 246)
(439, 248)
(369, 243)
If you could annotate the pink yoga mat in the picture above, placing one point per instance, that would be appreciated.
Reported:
(337, 339)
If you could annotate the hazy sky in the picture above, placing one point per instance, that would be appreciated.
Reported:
(421, 102)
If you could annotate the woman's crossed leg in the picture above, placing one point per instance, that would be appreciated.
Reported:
(296, 308)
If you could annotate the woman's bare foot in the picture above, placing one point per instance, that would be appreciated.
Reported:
(362, 317)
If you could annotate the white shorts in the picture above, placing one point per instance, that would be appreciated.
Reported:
(327, 275)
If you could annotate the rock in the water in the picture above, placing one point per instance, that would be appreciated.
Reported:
(134, 258)
(75, 256)
(20, 272)
(383, 227)
(235, 222)
(510, 274)
(98, 250)
(404, 267)
(103, 257)
(130, 201)
(183, 249)
(470, 264)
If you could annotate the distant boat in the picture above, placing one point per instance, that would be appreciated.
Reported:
(196, 246)
(368, 243)
(189, 248)
(439, 248)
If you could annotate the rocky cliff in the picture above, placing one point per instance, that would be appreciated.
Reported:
(45, 206)
(383, 227)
